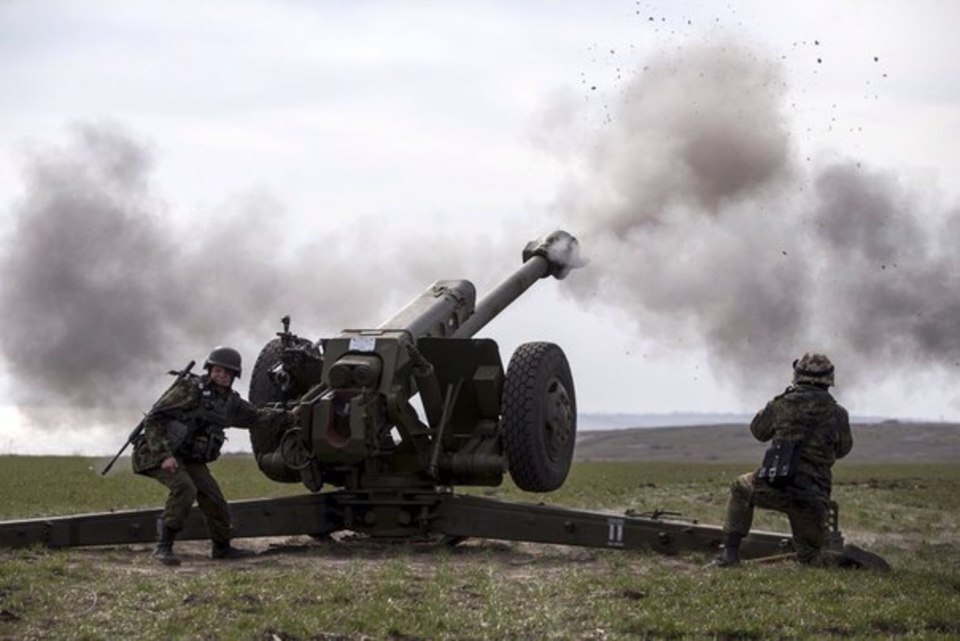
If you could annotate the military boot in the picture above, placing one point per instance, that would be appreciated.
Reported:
(164, 550)
(226, 552)
(730, 556)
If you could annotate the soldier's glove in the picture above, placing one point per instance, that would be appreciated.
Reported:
(294, 414)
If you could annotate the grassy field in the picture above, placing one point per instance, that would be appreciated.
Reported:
(301, 589)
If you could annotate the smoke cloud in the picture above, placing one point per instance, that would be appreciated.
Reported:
(703, 226)
(84, 273)
(102, 291)
(697, 216)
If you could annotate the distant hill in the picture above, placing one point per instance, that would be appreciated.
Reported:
(603, 421)
(884, 442)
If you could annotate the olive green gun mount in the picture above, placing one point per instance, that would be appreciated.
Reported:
(388, 472)
(358, 428)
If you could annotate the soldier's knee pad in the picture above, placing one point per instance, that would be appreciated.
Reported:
(742, 486)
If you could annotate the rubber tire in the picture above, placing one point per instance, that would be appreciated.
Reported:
(263, 391)
(539, 452)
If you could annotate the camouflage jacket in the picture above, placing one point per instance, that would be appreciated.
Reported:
(810, 414)
(193, 399)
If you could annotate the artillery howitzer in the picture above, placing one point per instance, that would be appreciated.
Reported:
(358, 431)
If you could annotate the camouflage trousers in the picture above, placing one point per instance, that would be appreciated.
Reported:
(807, 510)
(194, 482)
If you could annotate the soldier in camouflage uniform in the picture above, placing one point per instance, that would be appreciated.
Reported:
(817, 429)
(182, 433)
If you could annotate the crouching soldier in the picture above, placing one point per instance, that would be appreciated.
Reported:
(181, 434)
(809, 431)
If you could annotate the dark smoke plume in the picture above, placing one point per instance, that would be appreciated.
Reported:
(702, 225)
(102, 292)
(84, 274)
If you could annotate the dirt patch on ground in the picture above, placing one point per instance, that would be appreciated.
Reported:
(302, 553)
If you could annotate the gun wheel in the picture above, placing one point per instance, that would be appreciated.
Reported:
(293, 451)
(263, 391)
(539, 417)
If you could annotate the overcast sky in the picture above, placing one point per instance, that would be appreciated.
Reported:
(371, 148)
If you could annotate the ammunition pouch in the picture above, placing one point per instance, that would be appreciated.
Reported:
(205, 424)
(204, 447)
(779, 464)
(175, 434)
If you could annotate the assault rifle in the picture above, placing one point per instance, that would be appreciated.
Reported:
(182, 374)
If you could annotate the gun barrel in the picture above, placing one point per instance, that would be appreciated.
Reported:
(553, 255)
(437, 312)
(509, 290)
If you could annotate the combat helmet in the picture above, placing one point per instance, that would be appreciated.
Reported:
(813, 368)
(226, 357)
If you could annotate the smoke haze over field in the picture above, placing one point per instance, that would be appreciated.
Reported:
(83, 297)
(701, 222)
(711, 231)
(100, 289)
(746, 183)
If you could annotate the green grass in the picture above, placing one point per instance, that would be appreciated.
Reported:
(50, 485)
(490, 590)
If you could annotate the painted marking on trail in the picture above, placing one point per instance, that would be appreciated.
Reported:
(615, 533)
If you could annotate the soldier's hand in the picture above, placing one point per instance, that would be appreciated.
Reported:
(170, 465)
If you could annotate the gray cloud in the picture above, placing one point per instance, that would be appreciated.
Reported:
(888, 286)
(698, 220)
(84, 273)
(702, 226)
(104, 290)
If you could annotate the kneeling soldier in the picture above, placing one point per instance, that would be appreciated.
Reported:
(809, 430)
(181, 434)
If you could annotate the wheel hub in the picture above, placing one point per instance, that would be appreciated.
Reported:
(558, 418)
